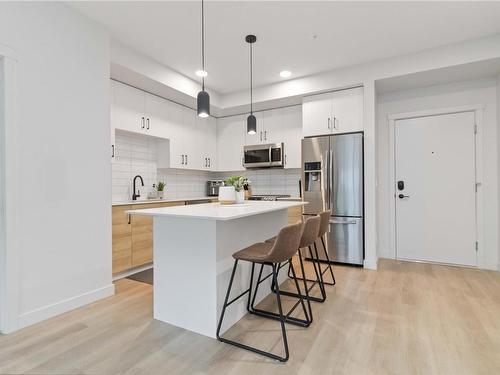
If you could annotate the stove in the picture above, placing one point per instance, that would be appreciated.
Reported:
(268, 197)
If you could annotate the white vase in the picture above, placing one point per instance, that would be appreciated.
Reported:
(240, 196)
(227, 195)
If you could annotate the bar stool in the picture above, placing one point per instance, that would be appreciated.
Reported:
(323, 229)
(308, 240)
(269, 254)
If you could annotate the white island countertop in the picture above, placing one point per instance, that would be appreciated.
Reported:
(217, 211)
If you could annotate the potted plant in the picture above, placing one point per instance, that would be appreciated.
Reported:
(160, 187)
(239, 183)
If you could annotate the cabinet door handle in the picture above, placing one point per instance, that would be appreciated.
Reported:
(147, 121)
(328, 122)
(182, 157)
(112, 151)
(186, 159)
(209, 162)
(206, 162)
(261, 136)
(143, 124)
(128, 218)
(265, 135)
(285, 159)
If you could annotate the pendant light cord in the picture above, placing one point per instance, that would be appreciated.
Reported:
(203, 43)
(251, 79)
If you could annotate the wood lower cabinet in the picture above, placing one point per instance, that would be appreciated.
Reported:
(133, 236)
(122, 239)
(294, 214)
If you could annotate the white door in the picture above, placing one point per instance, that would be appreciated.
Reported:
(435, 209)
(316, 115)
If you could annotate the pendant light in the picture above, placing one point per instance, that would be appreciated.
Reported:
(203, 99)
(251, 120)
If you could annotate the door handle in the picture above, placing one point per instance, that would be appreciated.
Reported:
(112, 151)
(143, 124)
(328, 122)
(335, 123)
(261, 136)
(182, 157)
(265, 135)
(343, 222)
(147, 126)
(186, 159)
(402, 196)
(209, 162)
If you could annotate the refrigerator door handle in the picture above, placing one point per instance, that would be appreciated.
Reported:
(342, 222)
(328, 190)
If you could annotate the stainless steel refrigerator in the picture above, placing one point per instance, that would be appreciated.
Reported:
(332, 179)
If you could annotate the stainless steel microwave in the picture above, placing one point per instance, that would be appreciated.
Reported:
(262, 156)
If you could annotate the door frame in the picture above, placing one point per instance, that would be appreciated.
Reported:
(478, 110)
(9, 251)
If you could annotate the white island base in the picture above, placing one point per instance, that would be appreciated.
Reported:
(192, 256)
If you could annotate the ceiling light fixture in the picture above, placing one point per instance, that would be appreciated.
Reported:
(201, 73)
(285, 73)
(203, 99)
(251, 120)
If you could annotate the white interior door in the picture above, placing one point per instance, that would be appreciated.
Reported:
(436, 208)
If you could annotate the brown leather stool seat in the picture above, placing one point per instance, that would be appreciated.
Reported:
(268, 254)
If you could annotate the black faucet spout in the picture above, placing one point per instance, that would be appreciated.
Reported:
(137, 193)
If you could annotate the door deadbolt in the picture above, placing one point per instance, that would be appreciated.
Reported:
(401, 196)
(401, 185)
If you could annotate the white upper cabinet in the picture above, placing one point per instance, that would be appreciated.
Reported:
(230, 140)
(316, 115)
(331, 113)
(206, 130)
(128, 108)
(175, 134)
(156, 116)
(272, 131)
(347, 110)
(292, 135)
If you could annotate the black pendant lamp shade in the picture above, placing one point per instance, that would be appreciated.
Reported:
(251, 124)
(251, 120)
(203, 99)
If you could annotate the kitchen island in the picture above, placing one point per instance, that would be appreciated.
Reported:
(192, 258)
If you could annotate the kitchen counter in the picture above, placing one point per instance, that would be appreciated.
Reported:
(151, 201)
(192, 259)
(217, 211)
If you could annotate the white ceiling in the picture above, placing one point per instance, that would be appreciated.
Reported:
(347, 33)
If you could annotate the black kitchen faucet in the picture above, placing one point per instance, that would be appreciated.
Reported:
(135, 196)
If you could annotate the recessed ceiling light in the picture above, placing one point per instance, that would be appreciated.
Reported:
(201, 73)
(285, 74)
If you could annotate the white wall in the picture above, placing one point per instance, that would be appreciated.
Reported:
(450, 95)
(63, 184)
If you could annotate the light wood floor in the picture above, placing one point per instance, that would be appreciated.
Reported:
(406, 318)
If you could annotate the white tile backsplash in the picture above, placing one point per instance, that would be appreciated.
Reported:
(136, 155)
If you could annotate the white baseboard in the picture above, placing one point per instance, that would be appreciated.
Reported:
(49, 311)
(370, 264)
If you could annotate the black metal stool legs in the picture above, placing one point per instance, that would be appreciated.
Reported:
(318, 281)
(288, 318)
(328, 266)
(280, 315)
